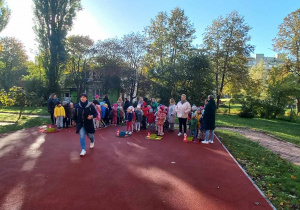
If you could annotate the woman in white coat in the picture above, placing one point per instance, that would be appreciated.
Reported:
(182, 108)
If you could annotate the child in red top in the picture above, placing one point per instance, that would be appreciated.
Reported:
(151, 120)
(161, 116)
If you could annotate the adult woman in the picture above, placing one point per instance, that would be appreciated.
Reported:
(171, 114)
(106, 100)
(126, 105)
(52, 102)
(84, 114)
(182, 108)
(209, 118)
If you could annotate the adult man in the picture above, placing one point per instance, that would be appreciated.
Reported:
(52, 102)
(209, 119)
(182, 109)
(83, 116)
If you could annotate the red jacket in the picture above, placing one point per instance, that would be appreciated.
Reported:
(145, 111)
(151, 118)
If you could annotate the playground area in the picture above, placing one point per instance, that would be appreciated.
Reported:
(45, 171)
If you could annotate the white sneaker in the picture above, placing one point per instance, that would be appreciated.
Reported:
(179, 134)
(211, 141)
(92, 145)
(204, 142)
(83, 152)
(184, 134)
(129, 133)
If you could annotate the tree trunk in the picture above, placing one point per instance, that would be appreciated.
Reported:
(20, 114)
(217, 89)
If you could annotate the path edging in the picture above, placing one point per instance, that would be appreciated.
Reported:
(259, 190)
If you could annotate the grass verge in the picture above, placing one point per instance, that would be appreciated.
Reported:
(27, 110)
(284, 130)
(277, 178)
(25, 123)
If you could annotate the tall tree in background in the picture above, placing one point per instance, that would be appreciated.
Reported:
(133, 50)
(4, 15)
(53, 20)
(288, 41)
(12, 62)
(227, 44)
(79, 62)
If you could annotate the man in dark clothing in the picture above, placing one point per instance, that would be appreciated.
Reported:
(126, 105)
(209, 118)
(84, 114)
(52, 102)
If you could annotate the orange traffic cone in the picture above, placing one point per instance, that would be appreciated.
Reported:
(184, 139)
(148, 136)
(118, 132)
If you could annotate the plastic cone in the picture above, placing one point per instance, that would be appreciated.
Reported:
(184, 139)
(118, 132)
(148, 136)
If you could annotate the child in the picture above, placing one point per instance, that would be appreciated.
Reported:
(193, 126)
(161, 116)
(201, 132)
(59, 114)
(128, 120)
(106, 115)
(66, 121)
(72, 112)
(172, 114)
(139, 118)
(133, 118)
(151, 121)
(115, 114)
(145, 110)
(98, 118)
(103, 114)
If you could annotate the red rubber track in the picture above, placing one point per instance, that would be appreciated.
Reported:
(44, 171)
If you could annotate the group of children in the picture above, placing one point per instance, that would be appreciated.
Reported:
(155, 118)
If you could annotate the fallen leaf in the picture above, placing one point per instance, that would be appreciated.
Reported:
(293, 177)
(281, 203)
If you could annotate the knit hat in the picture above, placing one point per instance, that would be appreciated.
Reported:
(101, 103)
(162, 107)
(96, 96)
(138, 106)
(106, 105)
(194, 107)
(84, 94)
(201, 107)
(144, 103)
(151, 111)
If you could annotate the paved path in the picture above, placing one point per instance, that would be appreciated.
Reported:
(286, 150)
(44, 171)
(27, 115)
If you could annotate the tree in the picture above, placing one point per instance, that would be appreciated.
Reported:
(169, 37)
(79, 62)
(4, 15)
(13, 62)
(288, 41)
(226, 42)
(133, 50)
(53, 20)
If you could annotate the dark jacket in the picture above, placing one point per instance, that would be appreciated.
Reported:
(139, 115)
(129, 117)
(67, 110)
(106, 100)
(126, 105)
(51, 104)
(82, 111)
(210, 115)
(96, 102)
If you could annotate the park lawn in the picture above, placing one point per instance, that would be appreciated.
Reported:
(27, 110)
(25, 122)
(281, 129)
(8, 117)
(279, 179)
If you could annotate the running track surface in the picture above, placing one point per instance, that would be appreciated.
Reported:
(44, 171)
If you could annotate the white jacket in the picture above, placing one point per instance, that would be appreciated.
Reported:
(183, 109)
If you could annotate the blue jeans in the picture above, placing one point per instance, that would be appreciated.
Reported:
(82, 134)
(211, 135)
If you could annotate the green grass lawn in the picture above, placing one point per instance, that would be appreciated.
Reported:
(277, 178)
(8, 117)
(27, 110)
(284, 130)
(25, 122)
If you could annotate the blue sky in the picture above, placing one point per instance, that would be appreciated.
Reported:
(103, 19)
